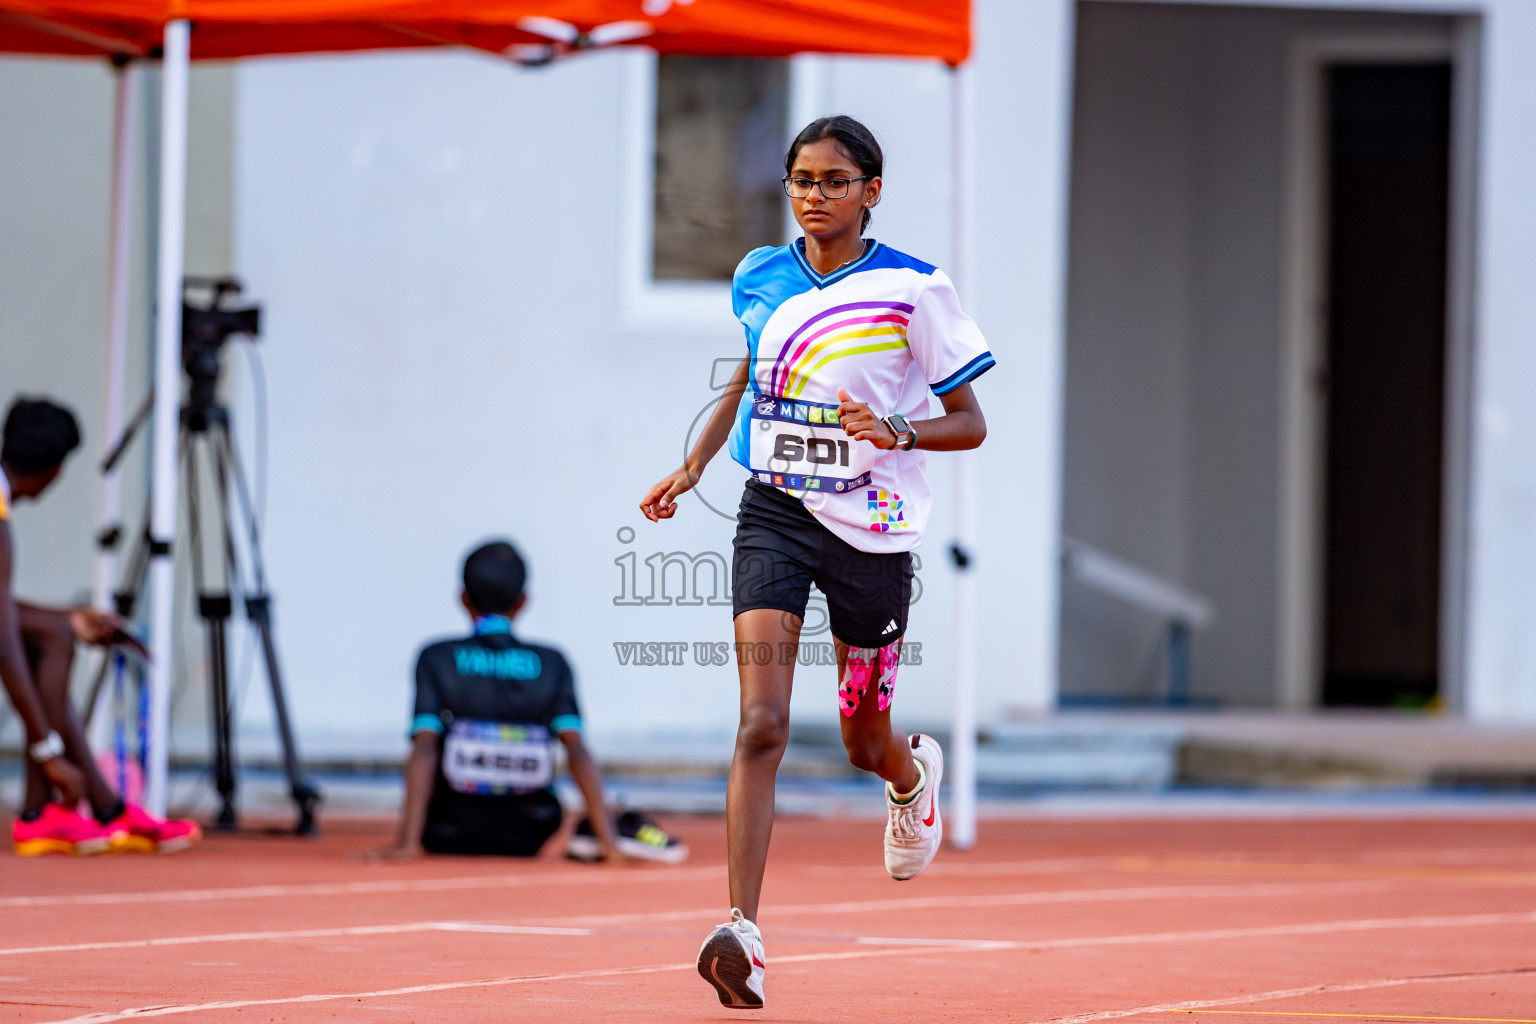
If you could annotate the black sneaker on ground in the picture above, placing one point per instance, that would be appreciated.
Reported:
(634, 835)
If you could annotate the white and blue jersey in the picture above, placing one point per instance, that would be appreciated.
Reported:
(886, 328)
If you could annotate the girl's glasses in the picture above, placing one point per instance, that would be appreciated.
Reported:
(831, 188)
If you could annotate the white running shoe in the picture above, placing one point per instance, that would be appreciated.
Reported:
(915, 830)
(732, 960)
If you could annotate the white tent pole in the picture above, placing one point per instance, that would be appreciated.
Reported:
(962, 753)
(172, 230)
(110, 510)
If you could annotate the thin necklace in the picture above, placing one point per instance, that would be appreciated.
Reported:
(850, 259)
(863, 248)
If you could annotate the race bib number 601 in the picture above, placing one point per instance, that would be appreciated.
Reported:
(800, 446)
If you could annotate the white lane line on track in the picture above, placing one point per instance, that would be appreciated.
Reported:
(582, 925)
(293, 935)
(1207, 935)
(1281, 930)
(608, 876)
(163, 1010)
(857, 940)
(872, 940)
(1282, 993)
(988, 868)
(475, 927)
(506, 929)
(1317, 928)
(622, 876)
(1155, 892)
(688, 875)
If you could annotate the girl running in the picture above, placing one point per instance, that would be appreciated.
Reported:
(845, 339)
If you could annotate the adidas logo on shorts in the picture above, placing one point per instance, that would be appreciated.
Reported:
(889, 629)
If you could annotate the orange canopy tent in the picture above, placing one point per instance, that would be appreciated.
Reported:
(525, 31)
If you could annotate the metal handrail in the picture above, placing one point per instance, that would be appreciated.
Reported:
(1183, 609)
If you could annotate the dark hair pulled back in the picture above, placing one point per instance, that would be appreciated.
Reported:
(855, 140)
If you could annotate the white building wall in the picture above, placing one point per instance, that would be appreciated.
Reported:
(1501, 657)
(55, 165)
(1023, 84)
(55, 191)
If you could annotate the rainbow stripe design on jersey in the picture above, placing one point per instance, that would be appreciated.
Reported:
(851, 329)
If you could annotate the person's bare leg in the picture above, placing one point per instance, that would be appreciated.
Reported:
(760, 741)
(872, 742)
(53, 656)
(39, 790)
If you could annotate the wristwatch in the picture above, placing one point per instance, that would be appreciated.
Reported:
(906, 437)
(46, 749)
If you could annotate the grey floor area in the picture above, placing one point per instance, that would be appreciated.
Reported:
(1089, 763)
(353, 795)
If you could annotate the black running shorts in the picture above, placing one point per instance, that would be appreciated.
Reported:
(781, 550)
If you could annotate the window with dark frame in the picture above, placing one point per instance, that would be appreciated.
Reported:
(720, 136)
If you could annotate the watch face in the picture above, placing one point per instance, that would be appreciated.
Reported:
(47, 748)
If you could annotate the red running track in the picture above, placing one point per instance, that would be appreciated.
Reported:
(1220, 921)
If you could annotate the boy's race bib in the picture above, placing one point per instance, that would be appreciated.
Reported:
(799, 446)
(494, 758)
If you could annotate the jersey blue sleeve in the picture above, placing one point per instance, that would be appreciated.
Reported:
(427, 715)
(762, 280)
(565, 714)
(742, 280)
(944, 341)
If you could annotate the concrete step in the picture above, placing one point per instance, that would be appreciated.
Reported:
(1078, 752)
(1056, 752)
(1326, 749)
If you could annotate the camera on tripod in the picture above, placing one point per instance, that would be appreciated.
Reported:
(235, 574)
(204, 330)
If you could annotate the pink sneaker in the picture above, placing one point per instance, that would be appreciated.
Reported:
(141, 832)
(60, 830)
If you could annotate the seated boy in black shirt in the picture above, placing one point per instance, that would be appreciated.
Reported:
(488, 707)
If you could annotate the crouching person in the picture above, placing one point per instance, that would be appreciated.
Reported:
(488, 709)
(37, 650)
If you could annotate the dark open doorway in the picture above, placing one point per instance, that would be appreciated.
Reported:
(1389, 134)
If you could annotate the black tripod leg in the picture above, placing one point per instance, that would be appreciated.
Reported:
(258, 608)
(214, 609)
(124, 599)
